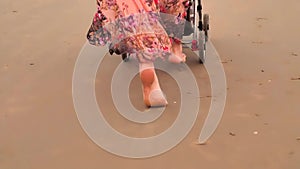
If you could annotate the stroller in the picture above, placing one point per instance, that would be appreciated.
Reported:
(195, 32)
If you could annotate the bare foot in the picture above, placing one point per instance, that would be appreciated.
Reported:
(173, 58)
(156, 98)
(146, 94)
(177, 56)
(152, 94)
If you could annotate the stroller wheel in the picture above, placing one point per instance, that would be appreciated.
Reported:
(202, 47)
(206, 22)
(200, 61)
(206, 25)
(201, 56)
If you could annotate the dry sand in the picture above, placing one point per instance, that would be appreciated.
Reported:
(258, 42)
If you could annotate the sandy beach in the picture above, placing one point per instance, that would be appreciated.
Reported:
(258, 42)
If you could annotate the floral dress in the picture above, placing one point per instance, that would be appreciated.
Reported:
(143, 27)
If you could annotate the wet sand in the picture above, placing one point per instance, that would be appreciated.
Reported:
(258, 43)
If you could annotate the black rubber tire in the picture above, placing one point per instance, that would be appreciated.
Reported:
(200, 61)
(206, 25)
(201, 51)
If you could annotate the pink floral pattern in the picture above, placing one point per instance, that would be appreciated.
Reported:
(143, 27)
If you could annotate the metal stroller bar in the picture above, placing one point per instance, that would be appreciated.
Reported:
(199, 11)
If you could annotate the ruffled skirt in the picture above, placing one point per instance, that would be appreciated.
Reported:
(143, 27)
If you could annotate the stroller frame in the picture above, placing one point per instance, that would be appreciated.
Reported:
(200, 25)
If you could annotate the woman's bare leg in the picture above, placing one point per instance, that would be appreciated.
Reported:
(152, 93)
(178, 56)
